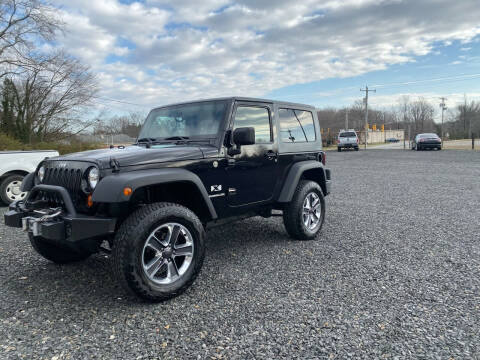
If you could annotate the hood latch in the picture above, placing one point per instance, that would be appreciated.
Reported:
(115, 164)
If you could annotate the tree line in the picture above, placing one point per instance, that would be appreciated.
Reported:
(414, 115)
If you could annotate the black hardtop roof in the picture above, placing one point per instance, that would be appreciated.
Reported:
(242, 98)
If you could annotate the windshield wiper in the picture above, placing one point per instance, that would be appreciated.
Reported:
(147, 141)
(177, 138)
(181, 140)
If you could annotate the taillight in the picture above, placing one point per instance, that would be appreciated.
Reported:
(357, 140)
(338, 141)
(323, 155)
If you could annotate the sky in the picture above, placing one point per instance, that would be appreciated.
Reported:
(154, 52)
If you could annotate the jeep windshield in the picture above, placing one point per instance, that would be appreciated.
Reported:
(186, 122)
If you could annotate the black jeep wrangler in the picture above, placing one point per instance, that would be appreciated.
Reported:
(194, 165)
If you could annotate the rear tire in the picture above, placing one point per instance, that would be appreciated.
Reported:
(339, 149)
(148, 245)
(10, 189)
(356, 148)
(54, 253)
(295, 216)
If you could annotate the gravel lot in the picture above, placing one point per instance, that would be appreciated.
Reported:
(394, 274)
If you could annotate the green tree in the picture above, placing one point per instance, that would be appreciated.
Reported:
(7, 124)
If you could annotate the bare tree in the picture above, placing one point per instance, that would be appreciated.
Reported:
(48, 98)
(22, 22)
(421, 112)
(465, 119)
(129, 124)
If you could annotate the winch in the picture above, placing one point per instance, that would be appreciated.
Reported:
(31, 223)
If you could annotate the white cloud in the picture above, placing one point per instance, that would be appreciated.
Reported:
(187, 49)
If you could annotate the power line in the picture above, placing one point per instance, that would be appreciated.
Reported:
(110, 106)
(448, 79)
(119, 101)
(455, 77)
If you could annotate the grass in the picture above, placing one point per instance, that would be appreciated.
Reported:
(7, 143)
(462, 144)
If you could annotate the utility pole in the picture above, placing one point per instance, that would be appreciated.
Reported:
(470, 126)
(443, 107)
(346, 118)
(464, 114)
(384, 133)
(366, 112)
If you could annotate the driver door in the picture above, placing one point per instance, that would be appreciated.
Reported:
(252, 174)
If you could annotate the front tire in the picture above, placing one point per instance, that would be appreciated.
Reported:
(303, 217)
(55, 253)
(10, 189)
(158, 251)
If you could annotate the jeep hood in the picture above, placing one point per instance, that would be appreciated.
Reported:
(138, 155)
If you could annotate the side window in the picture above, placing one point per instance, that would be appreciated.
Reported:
(296, 125)
(306, 120)
(290, 128)
(256, 117)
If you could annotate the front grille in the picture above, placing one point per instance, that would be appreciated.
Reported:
(70, 179)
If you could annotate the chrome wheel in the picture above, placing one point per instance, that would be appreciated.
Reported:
(167, 253)
(312, 210)
(13, 191)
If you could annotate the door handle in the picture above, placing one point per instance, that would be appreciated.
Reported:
(270, 155)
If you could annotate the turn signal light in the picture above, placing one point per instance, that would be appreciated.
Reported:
(89, 201)
(127, 191)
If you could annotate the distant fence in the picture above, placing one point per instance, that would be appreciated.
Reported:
(373, 137)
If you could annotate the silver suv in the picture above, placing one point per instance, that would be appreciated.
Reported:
(347, 139)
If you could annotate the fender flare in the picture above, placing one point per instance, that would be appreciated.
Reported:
(110, 188)
(28, 182)
(294, 175)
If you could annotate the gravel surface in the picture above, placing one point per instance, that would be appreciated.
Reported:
(395, 273)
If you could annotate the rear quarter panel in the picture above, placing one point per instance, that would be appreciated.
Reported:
(291, 153)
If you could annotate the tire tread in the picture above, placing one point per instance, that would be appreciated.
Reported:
(124, 271)
(291, 220)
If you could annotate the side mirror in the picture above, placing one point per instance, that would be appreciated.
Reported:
(244, 136)
(239, 137)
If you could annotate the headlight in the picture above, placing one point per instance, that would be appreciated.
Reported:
(41, 173)
(93, 177)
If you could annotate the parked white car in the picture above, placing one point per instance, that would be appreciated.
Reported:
(14, 166)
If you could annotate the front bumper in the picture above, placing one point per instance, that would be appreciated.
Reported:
(62, 225)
